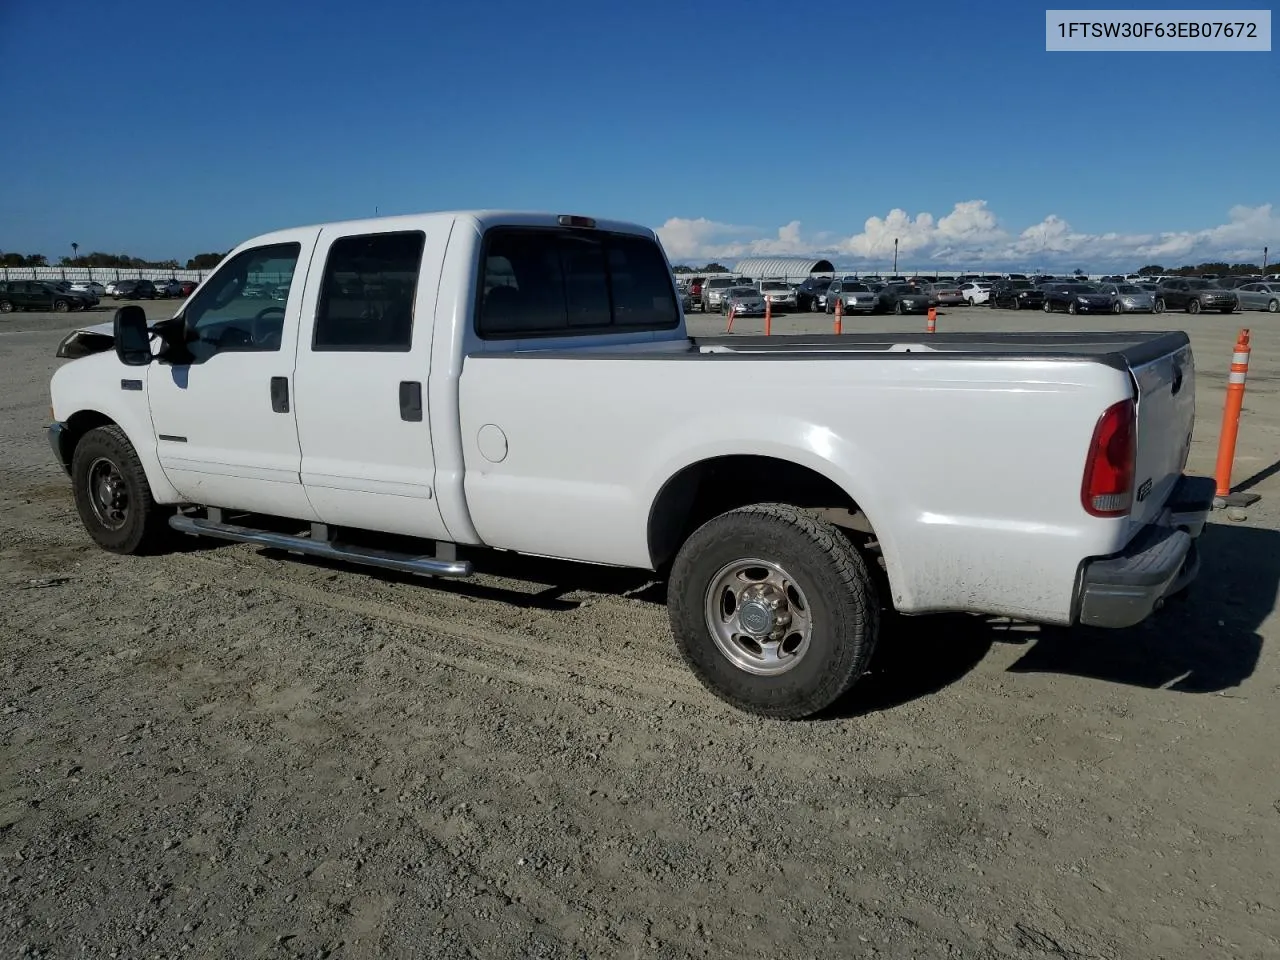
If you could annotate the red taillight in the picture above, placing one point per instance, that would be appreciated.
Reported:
(1107, 490)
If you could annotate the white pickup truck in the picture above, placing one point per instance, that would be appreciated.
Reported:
(525, 382)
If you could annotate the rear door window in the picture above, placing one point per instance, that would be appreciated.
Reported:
(548, 282)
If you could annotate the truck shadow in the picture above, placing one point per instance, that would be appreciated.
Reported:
(1206, 641)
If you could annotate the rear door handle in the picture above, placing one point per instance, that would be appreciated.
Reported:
(280, 394)
(410, 400)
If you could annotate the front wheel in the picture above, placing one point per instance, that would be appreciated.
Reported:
(1017, 304)
(6, 306)
(112, 495)
(773, 610)
(897, 307)
(1045, 306)
(1117, 308)
(61, 306)
(1071, 307)
(1193, 306)
(1273, 306)
(1158, 306)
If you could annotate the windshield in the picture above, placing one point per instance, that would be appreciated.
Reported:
(1200, 284)
(743, 292)
(773, 285)
(1020, 284)
(1127, 288)
(1077, 288)
(907, 288)
(855, 288)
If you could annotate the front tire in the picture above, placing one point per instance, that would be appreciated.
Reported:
(61, 306)
(1071, 307)
(773, 610)
(112, 495)
(1158, 306)
(1047, 308)
(1193, 306)
(6, 306)
(1117, 308)
(1273, 306)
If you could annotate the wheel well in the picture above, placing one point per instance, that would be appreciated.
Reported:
(711, 487)
(77, 425)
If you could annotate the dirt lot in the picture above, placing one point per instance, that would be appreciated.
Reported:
(225, 753)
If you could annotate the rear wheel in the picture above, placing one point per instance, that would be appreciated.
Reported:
(969, 300)
(6, 306)
(773, 610)
(112, 495)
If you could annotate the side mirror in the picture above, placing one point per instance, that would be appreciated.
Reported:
(132, 337)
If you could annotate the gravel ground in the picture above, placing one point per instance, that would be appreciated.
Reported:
(222, 752)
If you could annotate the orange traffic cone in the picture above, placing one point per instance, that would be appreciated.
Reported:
(840, 315)
(931, 325)
(768, 317)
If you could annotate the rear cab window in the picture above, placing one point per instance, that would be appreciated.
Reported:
(548, 282)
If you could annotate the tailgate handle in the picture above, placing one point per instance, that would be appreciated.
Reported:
(410, 400)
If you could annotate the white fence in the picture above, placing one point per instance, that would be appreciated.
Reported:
(103, 275)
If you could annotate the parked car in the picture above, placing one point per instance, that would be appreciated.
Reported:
(811, 293)
(1075, 298)
(1193, 294)
(782, 295)
(780, 538)
(188, 287)
(1260, 296)
(39, 295)
(855, 297)
(947, 294)
(92, 287)
(132, 290)
(693, 287)
(1016, 295)
(1128, 298)
(745, 302)
(713, 290)
(902, 298)
(168, 288)
(975, 291)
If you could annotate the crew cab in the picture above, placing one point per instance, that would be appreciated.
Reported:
(524, 382)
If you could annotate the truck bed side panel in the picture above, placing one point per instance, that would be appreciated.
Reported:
(969, 471)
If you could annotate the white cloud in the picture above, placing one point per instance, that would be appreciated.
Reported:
(971, 234)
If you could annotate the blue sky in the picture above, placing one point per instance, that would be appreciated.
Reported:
(161, 129)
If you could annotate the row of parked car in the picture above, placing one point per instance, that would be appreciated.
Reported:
(64, 295)
(874, 294)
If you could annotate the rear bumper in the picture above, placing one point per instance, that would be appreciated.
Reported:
(1124, 589)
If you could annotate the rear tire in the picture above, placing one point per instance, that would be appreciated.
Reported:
(816, 592)
(6, 306)
(112, 495)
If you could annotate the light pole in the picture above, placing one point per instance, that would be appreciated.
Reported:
(895, 256)
(75, 249)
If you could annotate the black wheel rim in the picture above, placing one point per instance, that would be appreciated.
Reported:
(108, 494)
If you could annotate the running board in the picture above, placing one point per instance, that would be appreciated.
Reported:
(386, 560)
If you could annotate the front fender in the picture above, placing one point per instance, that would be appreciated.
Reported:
(100, 384)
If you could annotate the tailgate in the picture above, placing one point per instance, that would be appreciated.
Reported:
(1166, 415)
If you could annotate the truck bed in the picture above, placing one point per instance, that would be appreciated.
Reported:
(1121, 350)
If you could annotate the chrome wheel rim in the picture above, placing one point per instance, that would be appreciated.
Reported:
(759, 617)
(108, 494)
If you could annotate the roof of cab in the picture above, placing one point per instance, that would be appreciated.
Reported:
(484, 219)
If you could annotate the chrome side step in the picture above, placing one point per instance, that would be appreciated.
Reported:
(385, 559)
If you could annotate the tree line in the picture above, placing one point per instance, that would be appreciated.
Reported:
(201, 261)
